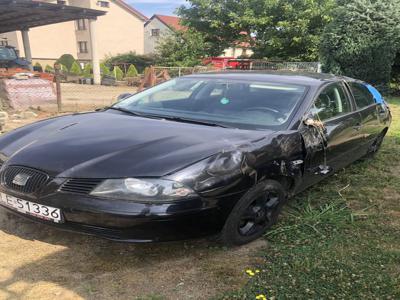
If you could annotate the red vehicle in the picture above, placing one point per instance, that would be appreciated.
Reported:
(228, 63)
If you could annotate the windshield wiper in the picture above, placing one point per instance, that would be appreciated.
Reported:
(191, 121)
(170, 118)
(122, 110)
(127, 111)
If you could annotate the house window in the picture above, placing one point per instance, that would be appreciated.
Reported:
(103, 3)
(155, 32)
(4, 43)
(83, 48)
(81, 24)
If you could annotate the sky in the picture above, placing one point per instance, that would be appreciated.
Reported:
(150, 7)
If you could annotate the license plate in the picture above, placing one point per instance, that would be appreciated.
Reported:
(30, 208)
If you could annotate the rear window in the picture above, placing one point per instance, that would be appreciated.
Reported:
(362, 96)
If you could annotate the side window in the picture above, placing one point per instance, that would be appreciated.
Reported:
(332, 102)
(362, 96)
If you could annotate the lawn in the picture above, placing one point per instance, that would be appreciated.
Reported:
(340, 239)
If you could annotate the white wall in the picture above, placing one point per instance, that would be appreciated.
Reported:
(151, 42)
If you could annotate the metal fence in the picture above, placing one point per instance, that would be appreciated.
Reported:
(286, 66)
(182, 71)
(82, 97)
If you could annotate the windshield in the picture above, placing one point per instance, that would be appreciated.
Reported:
(7, 54)
(233, 103)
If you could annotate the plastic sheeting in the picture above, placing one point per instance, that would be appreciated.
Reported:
(22, 94)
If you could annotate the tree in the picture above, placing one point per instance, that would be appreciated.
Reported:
(132, 72)
(66, 60)
(75, 69)
(181, 48)
(276, 29)
(87, 71)
(363, 39)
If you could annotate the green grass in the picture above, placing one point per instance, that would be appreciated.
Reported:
(341, 238)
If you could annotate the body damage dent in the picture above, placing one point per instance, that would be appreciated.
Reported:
(276, 156)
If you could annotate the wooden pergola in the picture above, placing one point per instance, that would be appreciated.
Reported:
(25, 14)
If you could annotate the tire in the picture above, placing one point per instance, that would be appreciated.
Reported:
(374, 149)
(254, 213)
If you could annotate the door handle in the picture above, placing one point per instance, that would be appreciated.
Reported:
(357, 127)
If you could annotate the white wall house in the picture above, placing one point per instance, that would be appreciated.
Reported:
(120, 30)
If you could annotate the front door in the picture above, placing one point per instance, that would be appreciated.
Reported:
(332, 145)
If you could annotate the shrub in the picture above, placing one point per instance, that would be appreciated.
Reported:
(38, 67)
(140, 61)
(49, 69)
(87, 71)
(75, 69)
(64, 69)
(118, 73)
(132, 72)
(66, 60)
(362, 43)
(104, 69)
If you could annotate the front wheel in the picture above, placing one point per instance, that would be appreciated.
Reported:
(255, 212)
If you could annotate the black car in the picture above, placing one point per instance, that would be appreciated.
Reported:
(199, 155)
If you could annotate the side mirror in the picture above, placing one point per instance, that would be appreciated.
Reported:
(124, 96)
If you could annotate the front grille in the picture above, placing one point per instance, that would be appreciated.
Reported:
(80, 185)
(32, 180)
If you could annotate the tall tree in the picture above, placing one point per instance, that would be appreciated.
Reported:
(363, 39)
(182, 48)
(276, 29)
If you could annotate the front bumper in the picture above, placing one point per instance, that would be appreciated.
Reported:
(135, 222)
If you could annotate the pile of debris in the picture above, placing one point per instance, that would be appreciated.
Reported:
(21, 88)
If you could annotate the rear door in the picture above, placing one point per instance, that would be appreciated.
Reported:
(369, 112)
(333, 145)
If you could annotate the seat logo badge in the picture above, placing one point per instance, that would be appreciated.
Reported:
(21, 179)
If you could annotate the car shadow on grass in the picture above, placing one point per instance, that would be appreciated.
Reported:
(40, 262)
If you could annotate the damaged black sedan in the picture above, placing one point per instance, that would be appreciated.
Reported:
(199, 155)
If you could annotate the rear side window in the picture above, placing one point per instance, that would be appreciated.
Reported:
(332, 102)
(362, 96)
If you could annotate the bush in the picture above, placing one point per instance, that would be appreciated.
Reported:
(64, 69)
(118, 73)
(140, 61)
(362, 43)
(104, 70)
(88, 71)
(38, 67)
(66, 60)
(75, 69)
(132, 72)
(49, 69)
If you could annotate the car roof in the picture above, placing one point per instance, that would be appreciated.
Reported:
(302, 78)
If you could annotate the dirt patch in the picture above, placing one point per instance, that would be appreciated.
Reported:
(39, 262)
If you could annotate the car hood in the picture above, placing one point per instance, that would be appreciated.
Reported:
(111, 144)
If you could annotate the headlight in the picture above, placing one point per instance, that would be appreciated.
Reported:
(145, 190)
